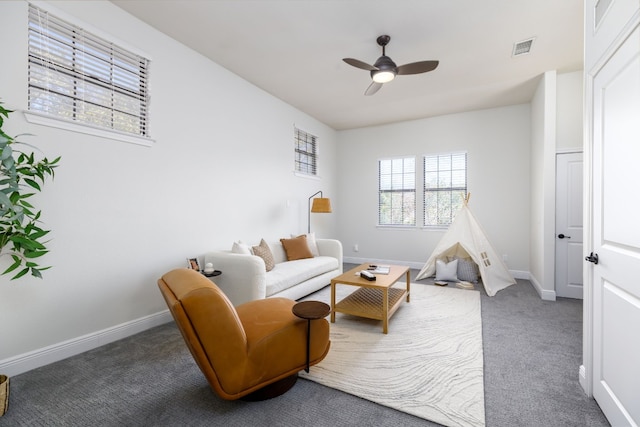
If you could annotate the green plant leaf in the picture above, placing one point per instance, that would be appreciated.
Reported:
(32, 183)
(13, 266)
(4, 200)
(34, 254)
(19, 275)
(6, 152)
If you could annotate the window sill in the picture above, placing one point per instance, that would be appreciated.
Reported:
(396, 227)
(413, 227)
(41, 119)
(304, 175)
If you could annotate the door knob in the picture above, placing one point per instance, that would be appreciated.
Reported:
(562, 236)
(592, 258)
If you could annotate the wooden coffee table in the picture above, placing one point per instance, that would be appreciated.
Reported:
(373, 299)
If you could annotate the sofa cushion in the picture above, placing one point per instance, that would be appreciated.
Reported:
(311, 242)
(241, 248)
(296, 248)
(291, 273)
(263, 251)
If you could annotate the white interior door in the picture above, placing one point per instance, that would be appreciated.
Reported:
(569, 217)
(616, 234)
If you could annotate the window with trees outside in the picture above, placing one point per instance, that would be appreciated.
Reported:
(397, 191)
(79, 77)
(445, 187)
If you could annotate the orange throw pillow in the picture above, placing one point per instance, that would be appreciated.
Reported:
(296, 248)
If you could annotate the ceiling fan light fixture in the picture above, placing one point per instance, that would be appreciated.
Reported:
(383, 76)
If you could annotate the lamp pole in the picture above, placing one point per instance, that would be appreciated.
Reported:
(309, 209)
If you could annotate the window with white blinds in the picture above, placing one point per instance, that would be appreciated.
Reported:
(306, 152)
(397, 191)
(77, 76)
(445, 186)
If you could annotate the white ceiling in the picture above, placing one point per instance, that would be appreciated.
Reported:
(293, 49)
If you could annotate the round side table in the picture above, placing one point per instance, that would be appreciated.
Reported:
(215, 273)
(310, 310)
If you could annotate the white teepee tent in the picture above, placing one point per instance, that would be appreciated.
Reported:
(466, 239)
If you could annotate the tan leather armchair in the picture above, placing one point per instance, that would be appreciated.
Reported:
(254, 350)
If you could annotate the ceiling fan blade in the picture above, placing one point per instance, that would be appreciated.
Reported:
(359, 64)
(373, 88)
(417, 67)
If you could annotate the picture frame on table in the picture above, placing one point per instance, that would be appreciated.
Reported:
(193, 264)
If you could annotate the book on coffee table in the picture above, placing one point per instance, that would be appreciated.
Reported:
(381, 269)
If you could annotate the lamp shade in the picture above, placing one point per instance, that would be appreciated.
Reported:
(321, 205)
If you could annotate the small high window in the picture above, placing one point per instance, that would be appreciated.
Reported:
(306, 152)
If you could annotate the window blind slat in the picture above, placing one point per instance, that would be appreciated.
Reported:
(75, 75)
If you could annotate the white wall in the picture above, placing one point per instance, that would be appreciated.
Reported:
(569, 115)
(497, 142)
(543, 149)
(123, 214)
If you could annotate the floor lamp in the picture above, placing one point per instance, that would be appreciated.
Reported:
(320, 205)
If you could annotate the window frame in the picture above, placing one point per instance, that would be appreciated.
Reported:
(403, 190)
(133, 89)
(460, 191)
(308, 139)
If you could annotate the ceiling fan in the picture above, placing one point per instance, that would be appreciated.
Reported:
(384, 69)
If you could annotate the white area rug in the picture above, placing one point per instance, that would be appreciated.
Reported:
(430, 364)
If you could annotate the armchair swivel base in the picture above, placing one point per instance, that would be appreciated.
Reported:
(272, 390)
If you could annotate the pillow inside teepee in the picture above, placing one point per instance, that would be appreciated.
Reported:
(447, 271)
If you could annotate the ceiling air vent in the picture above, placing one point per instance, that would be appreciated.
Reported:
(523, 47)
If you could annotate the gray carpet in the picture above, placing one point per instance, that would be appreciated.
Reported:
(532, 351)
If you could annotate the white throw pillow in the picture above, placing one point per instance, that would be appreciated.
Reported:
(447, 271)
(241, 248)
(311, 242)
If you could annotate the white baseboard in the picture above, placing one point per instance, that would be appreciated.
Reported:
(354, 260)
(582, 377)
(545, 294)
(53, 353)
(517, 274)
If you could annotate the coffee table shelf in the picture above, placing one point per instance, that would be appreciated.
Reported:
(367, 302)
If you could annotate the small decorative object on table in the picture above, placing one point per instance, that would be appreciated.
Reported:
(208, 268)
(193, 264)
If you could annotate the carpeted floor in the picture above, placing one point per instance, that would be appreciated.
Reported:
(532, 352)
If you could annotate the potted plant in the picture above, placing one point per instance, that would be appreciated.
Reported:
(21, 176)
(21, 237)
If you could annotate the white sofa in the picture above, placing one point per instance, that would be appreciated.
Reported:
(244, 277)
